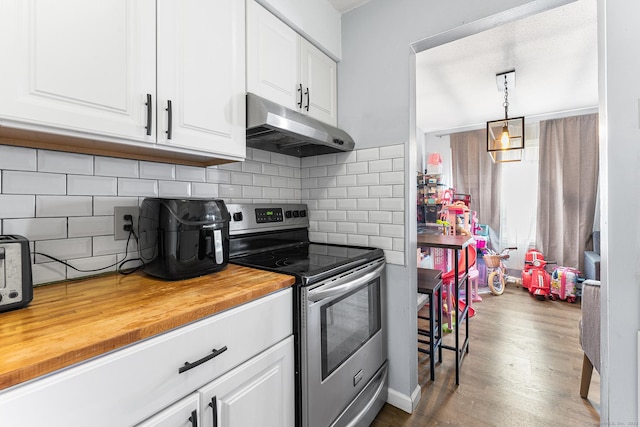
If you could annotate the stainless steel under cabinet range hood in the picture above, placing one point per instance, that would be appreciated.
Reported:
(272, 127)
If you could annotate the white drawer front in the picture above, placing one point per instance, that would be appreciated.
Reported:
(128, 385)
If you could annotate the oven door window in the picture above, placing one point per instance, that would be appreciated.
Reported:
(347, 324)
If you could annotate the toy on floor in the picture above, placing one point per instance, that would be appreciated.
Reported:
(535, 278)
(497, 269)
(564, 284)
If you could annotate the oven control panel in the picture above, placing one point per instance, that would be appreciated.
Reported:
(248, 218)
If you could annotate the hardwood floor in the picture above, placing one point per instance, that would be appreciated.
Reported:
(523, 369)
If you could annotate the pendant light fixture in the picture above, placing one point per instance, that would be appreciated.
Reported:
(505, 137)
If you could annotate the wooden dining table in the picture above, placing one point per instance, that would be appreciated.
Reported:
(456, 244)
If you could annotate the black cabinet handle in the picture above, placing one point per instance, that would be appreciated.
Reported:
(190, 365)
(300, 90)
(194, 418)
(214, 408)
(148, 104)
(306, 107)
(169, 111)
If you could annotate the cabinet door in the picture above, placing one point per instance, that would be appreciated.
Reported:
(73, 65)
(183, 413)
(273, 64)
(257, 393)
(319, 80)
(201, 45)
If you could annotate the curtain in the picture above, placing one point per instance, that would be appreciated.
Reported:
(567, 187)
(475, 173)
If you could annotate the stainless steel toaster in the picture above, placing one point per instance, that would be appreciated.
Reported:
(16, 284)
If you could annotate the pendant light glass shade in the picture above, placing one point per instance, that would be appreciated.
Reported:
(505, 139)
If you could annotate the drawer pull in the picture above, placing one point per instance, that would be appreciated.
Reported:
(194, 418)
(214, 407)
(189, 365)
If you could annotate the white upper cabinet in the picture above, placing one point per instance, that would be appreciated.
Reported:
(80, 66)
(107, 70)
(201, 46)
(285, 68)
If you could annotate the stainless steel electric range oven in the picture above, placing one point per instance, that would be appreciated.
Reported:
(340, 353)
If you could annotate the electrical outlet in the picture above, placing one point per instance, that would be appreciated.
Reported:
(119, 222)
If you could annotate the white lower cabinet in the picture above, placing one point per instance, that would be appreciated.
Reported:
(184, 413)
(247, 347)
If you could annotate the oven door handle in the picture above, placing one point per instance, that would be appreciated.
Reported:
(343, 285)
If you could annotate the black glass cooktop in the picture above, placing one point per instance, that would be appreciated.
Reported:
(310, 261)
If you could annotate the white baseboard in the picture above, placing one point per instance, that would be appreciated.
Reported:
(402, 401)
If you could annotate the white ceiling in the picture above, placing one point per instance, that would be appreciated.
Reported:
(554, 54)
(555, 57)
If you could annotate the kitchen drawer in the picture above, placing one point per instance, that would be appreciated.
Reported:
(128, 385)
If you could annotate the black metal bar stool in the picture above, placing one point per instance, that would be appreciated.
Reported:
(430, 284)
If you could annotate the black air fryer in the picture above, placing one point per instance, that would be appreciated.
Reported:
(183, 238)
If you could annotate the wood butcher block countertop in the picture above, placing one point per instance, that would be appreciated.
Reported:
(71, 322)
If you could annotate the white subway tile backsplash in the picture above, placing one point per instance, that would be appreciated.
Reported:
(294, 183)
(18, 158)
(64, 249)
(346, 180)
(392, 204)
(289, 194)
(261, 156)
(317, 215)
(174, 189)
(398, 244)
(47, 273)
(278, 159)
(347, 204)
(277, 181)
(357, 240)
(381, 242)
(326, 227)
(249, 166)
(357, 192)
(328, 181)
(56, 206)
(318, 172)
(398, 191)
(233, 166)
(381, 165)
(368, 205)
(137, 187)
(230, 191)
(318, 237)
(368, 154)
(348, 157)
(327, 159)
(392, 151)
(94, 263)
(105, 205)
(337, 238)
(392, 177)
(152, 170)
(358, 216)
(61, 162)
(391, 230)
(204, 190)
(241, 178)
(272, 193)
(16, 182)
(190, 173)
(357, 168)
(398, 164)
(368, 179)
(287, 171)
(268, 169)
(333, 215)
(251, 192)
(327, 204)
(346, 227)
(381, 217)
(309, 162)
(337, 170)
(318, 193)
(381, 191)
(394, 257)
(81, 185)
(36, 228)
(106, 245)
(90, 226)
(111, 166)
(218, 176)
(337, 193)
(398, 217)
(17, 206)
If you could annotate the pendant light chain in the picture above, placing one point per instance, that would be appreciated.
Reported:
(505, 104)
